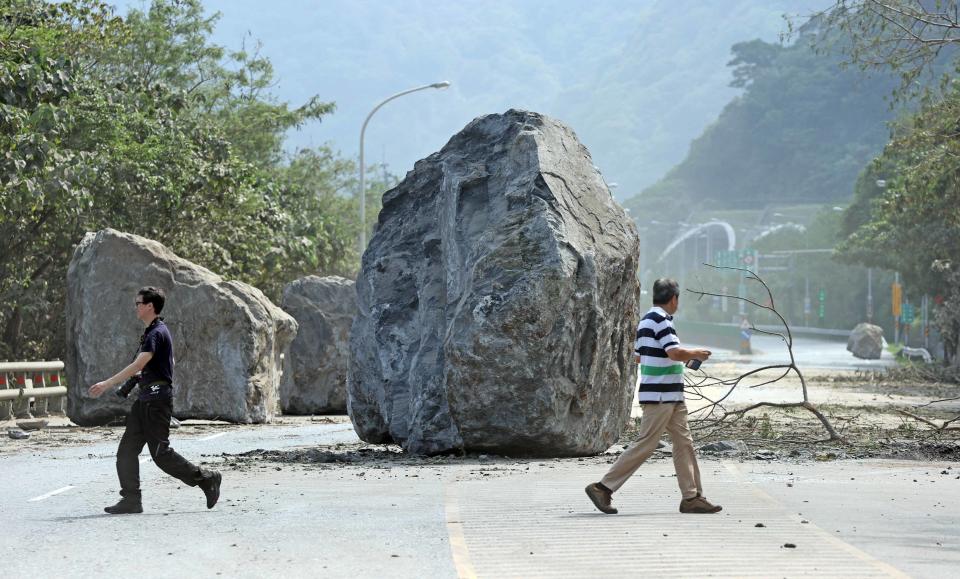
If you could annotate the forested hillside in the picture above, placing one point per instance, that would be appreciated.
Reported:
(801, 132)
(146, 126)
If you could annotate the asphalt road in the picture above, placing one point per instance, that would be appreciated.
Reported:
(810, 353)
(469, 517)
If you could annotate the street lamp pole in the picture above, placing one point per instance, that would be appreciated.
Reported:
(363, 196)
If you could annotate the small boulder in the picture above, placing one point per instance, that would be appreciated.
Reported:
(228, 338)
(726, 446)
(315, 373)
(17, 434)
(866, 341)
(38, 424)
(766, 454)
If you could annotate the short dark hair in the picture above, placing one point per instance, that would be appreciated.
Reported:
(664, 289)
(153, 295)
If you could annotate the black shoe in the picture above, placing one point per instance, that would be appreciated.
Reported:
(125, 507)
(211, 488)
(601, 498)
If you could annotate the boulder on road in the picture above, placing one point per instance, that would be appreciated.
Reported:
(228, 338)
(497, 300)
(866, 341)
(315, 372)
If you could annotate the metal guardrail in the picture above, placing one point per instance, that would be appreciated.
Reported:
(31, 389)
(810, 332)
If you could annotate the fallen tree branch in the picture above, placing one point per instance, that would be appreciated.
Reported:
(714, 414)
(939, 427)
(936, 401)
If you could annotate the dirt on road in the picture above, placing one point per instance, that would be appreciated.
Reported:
(877, 418)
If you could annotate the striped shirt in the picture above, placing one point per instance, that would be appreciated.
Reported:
(661, 379)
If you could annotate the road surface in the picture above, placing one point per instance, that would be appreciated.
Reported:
(468, 517)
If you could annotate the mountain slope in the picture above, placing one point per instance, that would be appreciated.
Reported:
(801, 132)
(636, 80)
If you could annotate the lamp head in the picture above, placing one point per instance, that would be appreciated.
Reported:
(441, 84)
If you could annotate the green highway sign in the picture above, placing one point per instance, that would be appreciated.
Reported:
(745, 258)
(908, 313)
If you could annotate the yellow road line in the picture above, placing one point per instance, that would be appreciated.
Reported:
(458, 542)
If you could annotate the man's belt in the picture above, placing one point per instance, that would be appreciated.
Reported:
(156, 383)
(147, 390)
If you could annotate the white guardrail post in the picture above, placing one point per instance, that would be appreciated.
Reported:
(24, 382)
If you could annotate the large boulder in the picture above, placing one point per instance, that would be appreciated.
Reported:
(315, 372)
(497, 300)
(228, 337)
(866, 341)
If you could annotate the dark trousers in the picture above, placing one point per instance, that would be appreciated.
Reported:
(149, 423)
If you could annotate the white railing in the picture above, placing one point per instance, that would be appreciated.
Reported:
(921, 353)
(29, 389)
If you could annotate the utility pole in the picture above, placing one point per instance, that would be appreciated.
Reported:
(897, 296)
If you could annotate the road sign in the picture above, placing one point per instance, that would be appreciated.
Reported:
(908, 313)
(726, 259)
(745, 258)
(897, 290)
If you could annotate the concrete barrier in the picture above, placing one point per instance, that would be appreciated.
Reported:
(728, 335)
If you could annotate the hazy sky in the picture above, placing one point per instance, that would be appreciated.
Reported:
(661, 65)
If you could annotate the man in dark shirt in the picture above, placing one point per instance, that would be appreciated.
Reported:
(149, 419)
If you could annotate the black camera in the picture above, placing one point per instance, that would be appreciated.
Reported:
(694, 364)
(124, 390)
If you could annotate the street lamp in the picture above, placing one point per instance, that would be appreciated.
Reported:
(363, 196)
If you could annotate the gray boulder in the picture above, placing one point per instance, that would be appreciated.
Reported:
(315, 373)
(866, 341)
(497, 300)
(228, 337)
(726, 446)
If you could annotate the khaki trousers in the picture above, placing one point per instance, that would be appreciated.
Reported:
(657, 418)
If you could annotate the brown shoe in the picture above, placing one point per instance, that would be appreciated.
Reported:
(699, 505)
(601, 498)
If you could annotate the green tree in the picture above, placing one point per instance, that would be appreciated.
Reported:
(141, 125)
(912, 223)
(169, 45)
(910, 38)
(45, 167)
(800, 133)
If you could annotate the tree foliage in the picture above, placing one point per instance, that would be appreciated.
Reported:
(912, 224)
(144, 126)
(911, 38)
(906, 210)
(800, 133)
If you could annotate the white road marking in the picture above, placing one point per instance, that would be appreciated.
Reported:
(212, 436)
(51, 493)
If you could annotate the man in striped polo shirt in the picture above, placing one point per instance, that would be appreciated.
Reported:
(661, 361)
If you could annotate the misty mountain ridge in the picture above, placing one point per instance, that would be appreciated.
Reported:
(637, 81)
(801, 132)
